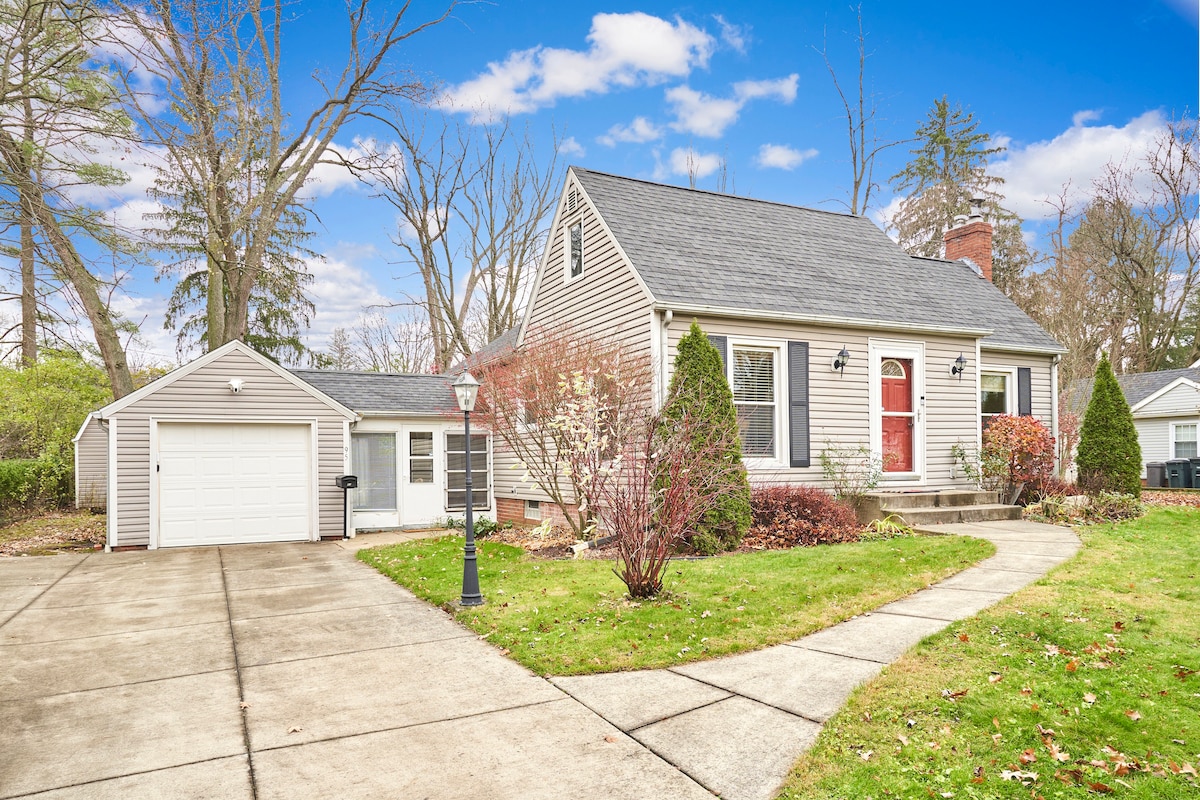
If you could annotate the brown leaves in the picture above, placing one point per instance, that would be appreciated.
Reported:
(1072, 665)
(1089, 698)
(953, 696)
(1133, 715)
(1028, 756)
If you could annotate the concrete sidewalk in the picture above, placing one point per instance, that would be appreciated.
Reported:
(293, 671)
(736, 725)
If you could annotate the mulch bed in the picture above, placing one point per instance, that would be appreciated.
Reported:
(1174, 498)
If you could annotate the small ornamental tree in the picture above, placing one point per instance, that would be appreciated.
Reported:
(700, 390)
(1109, 458)
(1016, 451)
(644, 475)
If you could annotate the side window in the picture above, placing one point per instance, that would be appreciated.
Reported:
(995, 395)
(420, 457)
(456, 471)
(755, 397)
(1183, 437)
(575, 249)
(373, 460)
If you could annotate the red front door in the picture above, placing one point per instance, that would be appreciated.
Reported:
(895, 375)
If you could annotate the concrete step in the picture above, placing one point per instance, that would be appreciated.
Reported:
(938, 499)
(989, 512)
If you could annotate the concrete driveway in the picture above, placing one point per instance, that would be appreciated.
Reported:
(278, 671)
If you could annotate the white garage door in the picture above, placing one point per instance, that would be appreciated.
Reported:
(223, 483)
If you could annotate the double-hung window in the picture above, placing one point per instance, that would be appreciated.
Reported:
(420, 456)
(1183, 440)
(995, 396)
(756, 398)
(456, 472)
(373, 459)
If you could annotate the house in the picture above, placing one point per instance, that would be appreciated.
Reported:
(1165, 406)
(831, 334)
(234, 448)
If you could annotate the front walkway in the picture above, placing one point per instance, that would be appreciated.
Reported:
(293, 671)
(736, 725)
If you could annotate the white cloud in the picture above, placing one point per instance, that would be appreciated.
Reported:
(736, 36)
(780, 156)
(638, 131)
(686, 161)
(1038, 171)
(341, 292)
(571, 147)
(624, 50)
(701, 114)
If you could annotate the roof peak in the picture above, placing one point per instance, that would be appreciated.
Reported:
(722, 195)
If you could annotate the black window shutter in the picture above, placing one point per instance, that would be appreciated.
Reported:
(798, 402)
(1024, 391)
(722, 345)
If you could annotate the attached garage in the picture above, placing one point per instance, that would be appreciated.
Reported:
(234, 482)
(229, 449)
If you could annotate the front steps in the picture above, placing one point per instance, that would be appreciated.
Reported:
(937, 507)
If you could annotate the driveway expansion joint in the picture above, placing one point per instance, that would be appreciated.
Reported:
(237, 668)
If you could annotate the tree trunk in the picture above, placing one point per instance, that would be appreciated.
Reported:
(29, 342)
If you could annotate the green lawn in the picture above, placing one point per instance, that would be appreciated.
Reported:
(1087, 683)
(573, 617)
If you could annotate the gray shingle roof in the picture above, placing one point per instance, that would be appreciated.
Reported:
(700, 248)
(499, 347)
(1136, 386)
(383, 392)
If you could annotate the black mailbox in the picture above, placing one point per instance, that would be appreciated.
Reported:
(347, 481)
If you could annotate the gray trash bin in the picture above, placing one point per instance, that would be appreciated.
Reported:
(1179, 473)
(1156, 475)
(1195, 472)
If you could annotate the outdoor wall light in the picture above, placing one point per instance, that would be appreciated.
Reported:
(236, 385)
(840, 360)
(959, 366)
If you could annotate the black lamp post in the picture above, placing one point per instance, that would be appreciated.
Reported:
(466, 388)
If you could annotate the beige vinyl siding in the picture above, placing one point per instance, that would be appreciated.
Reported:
(1180, 400)
(838, 412)
(606, 301)
(91, 466)
(1039, 377)
(204, 395)
(1154, 436)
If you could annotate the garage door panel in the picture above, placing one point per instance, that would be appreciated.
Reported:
(231, 483)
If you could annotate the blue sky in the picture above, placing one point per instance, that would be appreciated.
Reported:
(1066, 86)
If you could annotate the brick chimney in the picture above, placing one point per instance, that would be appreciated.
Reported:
(971, 238)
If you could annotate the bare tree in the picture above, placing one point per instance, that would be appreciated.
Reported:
(219, 66)
(862, 134)
(472, 204)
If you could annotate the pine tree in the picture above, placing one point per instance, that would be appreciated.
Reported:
(1109, 456)
(699, 387)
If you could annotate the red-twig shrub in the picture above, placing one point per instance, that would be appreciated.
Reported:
(786, 516)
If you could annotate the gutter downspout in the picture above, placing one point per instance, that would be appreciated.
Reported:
(668, 316)
(1054, 414)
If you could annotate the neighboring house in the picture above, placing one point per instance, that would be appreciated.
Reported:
(233, 448)
(1165, 406)
(782, 291)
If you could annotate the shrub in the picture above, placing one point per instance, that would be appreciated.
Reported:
(1017, 451)
(699, 389)
(1111, 507)
(27, 483)
(1109, 457)
(1047, 486)
(786, 516)
(852, 470)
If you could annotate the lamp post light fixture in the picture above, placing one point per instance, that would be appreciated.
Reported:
(840, 360)
(959, 366)
(466, 389)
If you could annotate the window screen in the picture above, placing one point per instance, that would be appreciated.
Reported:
(373, 459)
(420, 457)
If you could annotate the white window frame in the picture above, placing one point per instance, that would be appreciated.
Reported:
(778, 460)
(1010, 376)
(532, 510)
(446, 470)
(1174, 440)
(395, 471)
(567, 276)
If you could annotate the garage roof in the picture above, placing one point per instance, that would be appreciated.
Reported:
(380, 393)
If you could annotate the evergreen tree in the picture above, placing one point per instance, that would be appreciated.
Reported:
(1109, 456)
(948, 169)
(699, 388)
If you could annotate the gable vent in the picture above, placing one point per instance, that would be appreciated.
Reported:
(572, 201)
